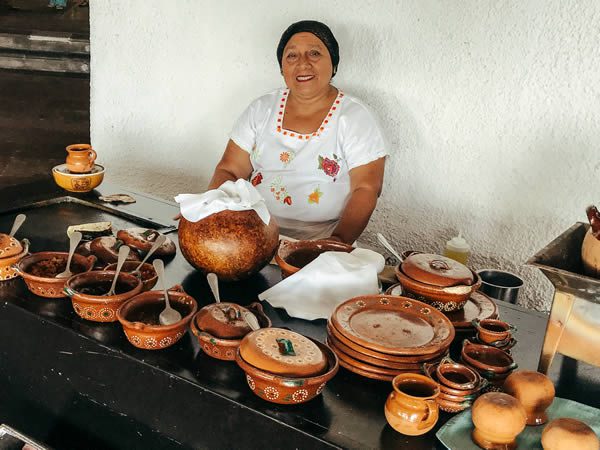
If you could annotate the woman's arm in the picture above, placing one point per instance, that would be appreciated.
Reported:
(235, 164)
(365, 187)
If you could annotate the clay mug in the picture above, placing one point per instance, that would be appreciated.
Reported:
(493, 330)
(411, 408)
(81, 158)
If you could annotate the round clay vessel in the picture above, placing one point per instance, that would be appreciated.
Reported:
(457, 376)
(430, 371)
(143, 240)
(232, 244)
(411, 408)
(78, 182)
(534, 390)
(487, 358)
(437, 270)
(493, 330)
(80, 158)
(98, 307)
(291, 256)
(498, 419)
(106, 248)
(11, 252)
(569, 434)
(452, 407)
(51, 287)
(223, 320)
(148, 275)
(139, 318)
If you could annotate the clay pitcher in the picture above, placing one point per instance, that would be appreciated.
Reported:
(81, 158)
(410, 408)
(590, 249)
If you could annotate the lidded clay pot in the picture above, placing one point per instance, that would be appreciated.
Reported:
(568, 434)
(590, 248)
(11, 252)
(223, 320)
(232, 244)
(498, 420)
(534, 390)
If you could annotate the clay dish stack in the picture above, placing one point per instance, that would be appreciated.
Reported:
(380, 336)
(495, 333)
(493, 364)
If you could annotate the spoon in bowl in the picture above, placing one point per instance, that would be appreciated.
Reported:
(168, 316)
(123, 253)
(213, 282)
(17, 224)
(73, 242)
(383, 241)
(160, 240)
(251, 320)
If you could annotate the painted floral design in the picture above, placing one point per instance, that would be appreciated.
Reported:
(300, 395)
(286, 157)
(256, 153)
(331, 167)
(257, 179)
(280, 192)
(315, 196)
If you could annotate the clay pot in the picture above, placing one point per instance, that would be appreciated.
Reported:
(232, 244)
(11, 252)
(291, 256)
(100, 308)
(225, 349)
(457, 376)
(106, 248)
(148, 276)
(143, 239)
(493, 330)
(534, 390)
(568, 434)
(411, 408)
(498, 419)
(51, 287)
(139, 317)
(80, 158)
(485, 358)
(288, 390)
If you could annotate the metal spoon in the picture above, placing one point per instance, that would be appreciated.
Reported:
(168, 316)
(73, 242)
(251, 320)
(383, 241)
(17, 224)
(123, 253)
(213, 282)
(160, 240)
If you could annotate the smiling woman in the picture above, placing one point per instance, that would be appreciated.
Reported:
(316, 154)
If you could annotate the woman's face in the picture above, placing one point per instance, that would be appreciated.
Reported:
(306, 64)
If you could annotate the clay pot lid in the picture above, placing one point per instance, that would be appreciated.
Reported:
(283, 352)
(9, 246)
(437, 270)
(223, 320)
(106, 248)
(143, 239)
(569, 433)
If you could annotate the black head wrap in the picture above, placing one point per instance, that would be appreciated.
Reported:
(320, 30)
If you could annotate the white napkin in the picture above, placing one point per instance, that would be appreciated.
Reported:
(332, 278)
(238, 196)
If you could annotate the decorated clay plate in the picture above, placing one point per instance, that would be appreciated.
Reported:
(364, 373)
(364, 366)
(394, 325)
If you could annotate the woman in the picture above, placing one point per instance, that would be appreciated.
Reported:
(315, 154)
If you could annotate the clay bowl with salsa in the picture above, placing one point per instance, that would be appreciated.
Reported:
(39, 271)
(139, 318)
(147, 273)
(88, 293)
(291, 256)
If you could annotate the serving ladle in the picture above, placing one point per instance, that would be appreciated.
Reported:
(17, 224)
(168, 316)
(123, 253)
(383, 241)
(73, 242)
(160, 240)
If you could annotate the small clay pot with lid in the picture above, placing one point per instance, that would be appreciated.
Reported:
(106, 249)
(11, 252)
(142, 239)
(534, 390)
(292, 256)
(567, 434)
(498, 420)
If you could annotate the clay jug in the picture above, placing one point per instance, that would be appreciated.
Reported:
(410, 408)
(81, 158)
(590, 249)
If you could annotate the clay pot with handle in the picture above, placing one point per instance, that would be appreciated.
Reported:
(81, 158)
(590, 249)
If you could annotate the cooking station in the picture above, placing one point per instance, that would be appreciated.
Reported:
(72, 383)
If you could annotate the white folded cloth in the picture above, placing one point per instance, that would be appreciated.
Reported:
(235, 196)
(332, 278)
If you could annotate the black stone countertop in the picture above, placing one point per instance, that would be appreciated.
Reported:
(77, 384)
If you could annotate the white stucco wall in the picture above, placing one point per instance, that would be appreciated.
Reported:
(492, 108)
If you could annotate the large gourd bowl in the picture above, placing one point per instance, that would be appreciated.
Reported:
(11, 252)
(232, 244)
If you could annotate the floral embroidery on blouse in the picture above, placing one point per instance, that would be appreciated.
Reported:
(280, 192)
(255, 154)
(286, 157)
(257, 179)
(315, 196)
(329, 166)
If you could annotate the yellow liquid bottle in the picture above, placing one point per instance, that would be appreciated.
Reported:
(458, 249)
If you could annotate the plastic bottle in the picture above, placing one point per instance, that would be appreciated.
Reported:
(458, 249)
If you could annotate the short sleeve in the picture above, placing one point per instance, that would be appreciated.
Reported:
(362, 139)
(244, 129)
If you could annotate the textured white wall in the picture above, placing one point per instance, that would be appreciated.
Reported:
(492, 107)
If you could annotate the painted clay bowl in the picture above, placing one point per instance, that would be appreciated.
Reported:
(87, 294)
(291, 256)
(493, 330)
(498, 419)
(149, 276)
(139, 317)
(430, 370)
(534, 390)
(287, 390)
(232, 244)
(78, 182)
(8, 259)
(42, 281)
(225, 349)
(487, 359)
(451, 406)
(457, 376)
(566, 434)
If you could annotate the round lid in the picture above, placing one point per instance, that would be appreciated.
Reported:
(436, 270)
(458, 244)
(223, 320)
(9, 246)
(283, 352)
(143, 239)
(569, 433)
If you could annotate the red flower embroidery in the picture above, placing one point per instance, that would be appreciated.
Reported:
(257, 179)
(288, 200)
(330, 167)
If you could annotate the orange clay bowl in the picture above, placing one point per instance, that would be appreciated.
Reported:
(148, 282)
(51, 287)
(139, 317)
(8, 271)
(291, 256)
(485, 358)
(225, 349)
(287, 390)
(96, 306)
(430, 371)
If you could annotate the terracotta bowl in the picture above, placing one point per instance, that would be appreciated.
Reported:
(100, 308)
(487, 359)
(430, 370)
(51, 287)
(498, 419)
(149, 276)
(225, 349)
(78, 182)
(286, 390)
(493, 330)
(443, 298)
(291, 256)
(451, 406)
(534, 390)
(139, 317)
(8, 271)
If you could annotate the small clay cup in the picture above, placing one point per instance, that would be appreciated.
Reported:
(534, 390)
(457, 376)
(567, 434)
(291, 256)
(498, 419)
(493, 330)
(485, 358)
(130, 266)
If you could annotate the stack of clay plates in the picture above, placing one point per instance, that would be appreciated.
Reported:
(380, 336)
